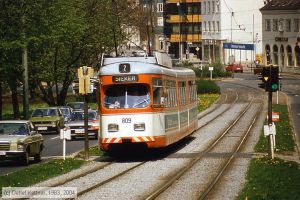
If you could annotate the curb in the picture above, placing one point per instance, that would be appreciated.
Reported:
(295, 137)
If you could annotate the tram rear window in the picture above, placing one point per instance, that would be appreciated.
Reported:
(126, 96)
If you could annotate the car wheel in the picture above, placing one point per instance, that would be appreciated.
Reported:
(38, 157)
(25, 158)
(58, 130)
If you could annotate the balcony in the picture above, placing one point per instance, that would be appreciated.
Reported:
(183, 1)
(184, 19)
(185, 38)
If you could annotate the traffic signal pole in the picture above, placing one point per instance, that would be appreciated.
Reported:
(270, 123)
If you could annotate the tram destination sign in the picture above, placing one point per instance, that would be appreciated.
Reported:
(124, 79)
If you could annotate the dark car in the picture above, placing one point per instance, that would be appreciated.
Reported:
(48, 119)
(77, 124)
(67, 112)
(234, 68)
(19, 140)
(77, 106)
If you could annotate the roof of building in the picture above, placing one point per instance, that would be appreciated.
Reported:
(282, 5)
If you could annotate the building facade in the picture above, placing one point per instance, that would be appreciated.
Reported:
(281, 34)
(231, 21)
(182, 29)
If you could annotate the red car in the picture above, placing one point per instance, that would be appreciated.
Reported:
(234, 68)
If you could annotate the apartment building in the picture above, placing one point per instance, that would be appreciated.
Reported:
(182, 29)
(231, 21)
(281, 34)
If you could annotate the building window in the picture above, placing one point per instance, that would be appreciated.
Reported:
(160, 21)
(218, 26)
(213, 7)
(204, 26)
(296, 25)
(268, 25)
(208, 7)
(218, 6)
(275, 25)
(213, 27)
(204, 7)
(160, 7)
(288, 25)
(209, 27)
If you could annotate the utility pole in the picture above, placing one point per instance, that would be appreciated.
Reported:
(25, 66)
(179, 43)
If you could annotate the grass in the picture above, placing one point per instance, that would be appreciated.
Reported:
(272, 179)
(284, 138)
(40, 172)
(206, 100)
(93, 151)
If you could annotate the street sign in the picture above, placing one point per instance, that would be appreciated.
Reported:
(211, 68)
(238, 46)
(269, 130)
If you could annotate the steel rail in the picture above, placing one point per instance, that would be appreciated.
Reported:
(200, 156)
(230, 159)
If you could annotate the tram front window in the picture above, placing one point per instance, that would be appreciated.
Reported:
(126, 96)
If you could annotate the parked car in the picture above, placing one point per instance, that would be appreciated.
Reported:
(19, 140)
(77, 124)
(48, 119)
(67, 112)
(234, 68)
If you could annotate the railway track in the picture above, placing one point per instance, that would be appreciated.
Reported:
(87, 188)
(200, 155)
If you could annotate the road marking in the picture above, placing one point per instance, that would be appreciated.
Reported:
(55, 137)
(296, 95)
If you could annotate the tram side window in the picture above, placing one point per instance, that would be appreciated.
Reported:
(157, 86)
(171, 93)
(192, 91)
(182, 92)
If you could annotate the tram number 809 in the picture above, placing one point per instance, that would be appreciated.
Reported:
(126, 120)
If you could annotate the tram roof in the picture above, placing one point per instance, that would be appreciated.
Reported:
(142, 65)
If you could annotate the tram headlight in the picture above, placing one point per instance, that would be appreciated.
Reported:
(139, 126)
(113, 127)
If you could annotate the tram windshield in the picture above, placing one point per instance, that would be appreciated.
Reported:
(126, 96)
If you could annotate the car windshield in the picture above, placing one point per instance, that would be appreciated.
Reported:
(126, 96)
(13, 129)
(79, 116)
(65, 111)
(44, 112)
(77, 106)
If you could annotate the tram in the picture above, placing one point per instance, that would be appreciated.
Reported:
(144, 100)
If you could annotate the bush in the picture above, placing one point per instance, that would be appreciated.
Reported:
(218, 71)
(207, 86)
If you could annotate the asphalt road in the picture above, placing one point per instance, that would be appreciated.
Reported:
(53, 148)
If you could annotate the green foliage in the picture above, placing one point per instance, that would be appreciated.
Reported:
(207, 86)
(40, 172)
(60, 36)
(271, 179)
(284, 138)
(218, 71)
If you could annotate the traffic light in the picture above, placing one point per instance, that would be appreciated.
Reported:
(274, 82)
(270, 79)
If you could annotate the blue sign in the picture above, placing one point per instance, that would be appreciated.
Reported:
(238, 46)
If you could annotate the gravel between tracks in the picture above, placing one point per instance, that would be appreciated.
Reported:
(148, 177)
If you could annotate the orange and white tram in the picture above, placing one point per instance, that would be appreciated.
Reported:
(142, 101)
